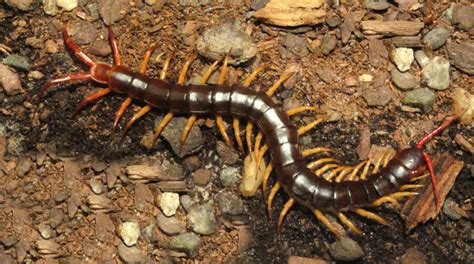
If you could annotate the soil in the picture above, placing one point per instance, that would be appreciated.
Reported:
(39, 137)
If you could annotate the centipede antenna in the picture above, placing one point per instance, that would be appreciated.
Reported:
(75, 49)
(67, 78)
(433, 179)
(433, 133)
(115, 49)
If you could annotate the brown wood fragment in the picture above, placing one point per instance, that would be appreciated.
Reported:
(145, 173)
(391, 28)
(422, 208)
(292, 13)
(173, 186)
(407, 41)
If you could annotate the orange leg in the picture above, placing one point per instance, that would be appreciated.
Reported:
(219, 119)
(92, 98)
(137, 116)
(67, 78)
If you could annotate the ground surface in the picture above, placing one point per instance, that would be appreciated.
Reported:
(66, 187)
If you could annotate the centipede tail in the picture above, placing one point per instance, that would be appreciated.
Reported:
(323, 186)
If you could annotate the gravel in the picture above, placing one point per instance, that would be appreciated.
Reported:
(169, 203)
(202, 219)
(436, 73)
(187, 242)
(436, 38)
(422, 98)
(346, 249)
(229, 176)
(404, 80)
(403, 58)
(129, 232)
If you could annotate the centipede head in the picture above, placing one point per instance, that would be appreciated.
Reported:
(428, 162)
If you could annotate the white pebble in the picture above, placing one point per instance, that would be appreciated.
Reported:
(67, 5)
(129, 232)
(169, 203)
(403, 58)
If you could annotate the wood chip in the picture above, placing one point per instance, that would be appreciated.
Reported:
(145, 173)
(292, 13)
(173, 186)
(422, 208)
(391, 28)
(407, 42)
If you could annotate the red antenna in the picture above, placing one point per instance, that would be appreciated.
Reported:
(429, 164)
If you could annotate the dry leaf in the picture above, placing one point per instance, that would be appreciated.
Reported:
(421, 208)
(292, 13)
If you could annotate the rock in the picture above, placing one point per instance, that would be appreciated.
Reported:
(202, 177)
(112, 11)
(379, 96)
(258, 4)
(333, 21)
(363, 147)
(403, 58)
(67, 5)
(403, 80)
(14, 145)
(412, 256)
(100, 48)
(436, 73)
(463, 100)
(192, 163)
(229, 176)
(296, 45)
(436, 38)
(45, 231)
(462, 56)
(463, 16)
(453, 211)
(228, 154)
(18, 62)
(194, 2)
(376, 4)
(464, 143)
(193, 143)
(325, 74)
(366, 78)
(421, 58)
(202, 219)
(230, 203)
(377, 52)
(169, 225)
(187, 242)
(328, 44)
(302, 260)
(221, 39)
(23, 5)
(169, 203)
(23, 166)
(346, 249)
(51, 46)
(50, 7)
(186, 202)
(129, 232)
(131, 254)
(83, 32)
(422, 98)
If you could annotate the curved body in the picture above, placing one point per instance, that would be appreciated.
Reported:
(298, 181)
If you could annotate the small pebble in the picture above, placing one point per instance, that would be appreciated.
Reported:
(296, 45)
(169, 225)
(462, 56)
(67, 5)
(421, 58)
(51, 46)
(403, 58)
(202, 177)
(366, 78)
(333, 21)
(187, 242)
(23, 166)
(403, 80)
(83, 32)
(169, 203)
(412, 256)
(229, 176)
(462, 100)
(100, 48)
(129, 232)
(186, 202)
(436, 38)
(201, 218)
(379, 96)
(328, 44)
(45, 231)
(325, 74)
(303, 260)
(453, 211)
(112, 11)
(50, 7)
(228, 154)
(23, 5)
(230, 203)
(18, 62)
(422, 98)
(35, 75)
(346, 249)
(463, 16)
(130, 254)
(378, 5)
(436, 73)
(193, 143)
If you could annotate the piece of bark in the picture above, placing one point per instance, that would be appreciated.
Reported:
(173, 186)
(292, 13)
(422, 208)
(145, 173)
(391, 28)
(407, 42)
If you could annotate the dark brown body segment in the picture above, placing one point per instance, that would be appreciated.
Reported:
(282, 138)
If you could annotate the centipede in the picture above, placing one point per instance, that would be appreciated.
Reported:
(342, 189)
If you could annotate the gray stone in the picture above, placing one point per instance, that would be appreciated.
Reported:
(463, 16)
(193, 143)
(202, 177)
(436, 73)
(413, 256)
(421, 58)
(462, 56)
(403, 58)
(130, 254)
(224, 38)
(346, 249)
(229, 176)
(404, 80)
(169, 203)
(187, 242)
(377, 96)
(422, 98)
(296, 45)
(227, 153)
(376, 4)
(83, 32)
(258, 4)
(194, 2)
(230, 203)
(202, 219)
(23, 5)
(18, 62)
(328, 44)
(186, 202)
(333, 21)
(452, 210)
(169, 225)
(436, 38)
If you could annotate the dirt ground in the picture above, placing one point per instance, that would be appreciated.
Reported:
(67, 187)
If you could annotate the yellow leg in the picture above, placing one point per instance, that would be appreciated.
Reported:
(349, 224)
(162, 126)
(258, 140)
(411, 186)
(371, 216)
(252, 76)
(219, 120)
(308, 127)
(309, 152)
(137, 116)
(184, 70)
(146, 58)
(266, 176)
(386, 199)
(321, 217)
(325, 168)
(388, 157)
(262, 152)
(419, 178)
(333, 173)
(271, 196)
(248, 135)
(363, 175)
(399, 195)
(166, 65)
(300, 109)
(284, 211)
(277, 84)
(312, 165)
(356, 169)
(236, 126)
(186, 130)
(343, 174)
(377, 164)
